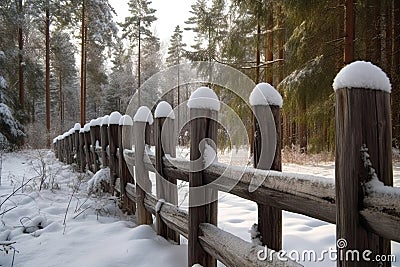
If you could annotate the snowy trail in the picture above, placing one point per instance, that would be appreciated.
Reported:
(101, 236)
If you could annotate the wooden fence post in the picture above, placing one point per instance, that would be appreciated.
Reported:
(77, 127)
(362, 118)
(125, 134)
(113, 123)
(267, 104)
(104, 140)
(71, 145)
(164, 138)
(203, 205)
(57, 147)
(95, 139)
(143, 183)
(86, 134)
(63, 145)
(82, 151)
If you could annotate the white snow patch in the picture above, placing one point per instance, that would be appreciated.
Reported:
(3, 82)
(86, 128)
(255, 235)
(104, 120)
(94, 184)
(143, 114)
(159, 204)
(265, 94)
(126, 120)
(204, 98)
(361, 74)
(164, 110)
(96, 122)
(77, 126)
(114, 118)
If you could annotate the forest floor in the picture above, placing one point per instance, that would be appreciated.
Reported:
(52, 220)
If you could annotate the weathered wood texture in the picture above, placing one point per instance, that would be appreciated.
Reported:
(143, 183)
(202, 201)
(94, 139)
(82, 151)
(362, 118)
(124, 173)
(104, 143)
(112, 157)
(164, 135)
(234, 251)
(88, 155)
(76, 150)
(267, 156)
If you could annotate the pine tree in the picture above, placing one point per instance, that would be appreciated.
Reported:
(65, 74)
(137, 28)
(210, 26)
(176, 52)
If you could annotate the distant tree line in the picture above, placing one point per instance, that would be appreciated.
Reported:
(64, 61)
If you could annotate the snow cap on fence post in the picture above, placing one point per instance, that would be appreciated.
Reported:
(77, 127)
(114, 118)
(96, 122)
(104, 120)
(361, 74)
(265, 94)
(164, 110)
(71, 131)
(86, 128)
(143, 114)
(125, 120)
(204, 98)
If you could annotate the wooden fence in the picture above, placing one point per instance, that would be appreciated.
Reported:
(367, 216)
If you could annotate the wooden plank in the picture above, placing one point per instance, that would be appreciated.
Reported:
(104, 143)
(82, 151)
(166, 187)
(76, 149)
(202, 126)
(112, 157)
(234, 251)
(267, 156)
(94, 136)
(358, 123)
(88, 155)
(143, 183)
(124, 173)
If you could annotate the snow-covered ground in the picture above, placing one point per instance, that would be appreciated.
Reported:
(96, 233)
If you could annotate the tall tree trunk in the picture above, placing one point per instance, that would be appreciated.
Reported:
(258, 57)
(280, 44)
(349, 32)
(48, 74)
(396, 73)
(377, 58)
(20, 56)
(61, 99)
(269, 44)
(139, 82)
(388, 37)
(83, 65)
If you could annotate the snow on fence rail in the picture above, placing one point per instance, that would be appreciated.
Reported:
(361, 200)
